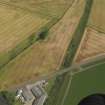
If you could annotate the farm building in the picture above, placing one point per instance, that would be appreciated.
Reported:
(32, 94)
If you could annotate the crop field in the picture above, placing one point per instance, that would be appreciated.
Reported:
(97, 17)
(20, 19)
(43, 57)
(43, 8)
(86, 83)
(16, 26)
(92, 44)
(62, 83)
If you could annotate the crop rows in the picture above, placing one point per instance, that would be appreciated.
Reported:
(93, 44)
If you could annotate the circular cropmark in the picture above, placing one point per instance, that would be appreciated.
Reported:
(95, 99)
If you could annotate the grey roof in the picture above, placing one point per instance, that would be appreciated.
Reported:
(37, 91)
(27, 94)
(40, 101)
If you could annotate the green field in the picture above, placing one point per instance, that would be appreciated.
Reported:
(97, 17)
(86, 83)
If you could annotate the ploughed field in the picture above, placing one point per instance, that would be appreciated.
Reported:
(46, 56)
(93, 44)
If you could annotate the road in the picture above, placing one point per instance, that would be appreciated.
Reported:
(99, 59)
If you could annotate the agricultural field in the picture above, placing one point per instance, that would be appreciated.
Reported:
(97, 17)
(62, 83)
(18, 22)
(86, 83)
(92, 44)
(43, 8)
(46, 56)
(16, 26)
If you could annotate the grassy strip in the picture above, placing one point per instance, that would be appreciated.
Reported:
(62, 81)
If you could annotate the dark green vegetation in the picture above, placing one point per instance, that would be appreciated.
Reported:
(8, 98)
(86, 83)
(78, 35)
(41, 34)
(62, 82)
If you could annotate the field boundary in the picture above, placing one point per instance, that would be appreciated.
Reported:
(26, 43)
(69, 56)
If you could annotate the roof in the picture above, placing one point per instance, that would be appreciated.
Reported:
(27, 95)
(37, 91)
(40, 101)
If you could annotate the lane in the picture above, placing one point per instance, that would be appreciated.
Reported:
(70, 69)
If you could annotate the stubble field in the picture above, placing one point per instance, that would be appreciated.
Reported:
(45, 56)
(93, 44)
(21, 19)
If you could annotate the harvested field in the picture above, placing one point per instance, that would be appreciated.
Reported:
(43, 8)
(20, 21)
(97, 17)
(16, 26)
(92, 44)
(45, 56)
